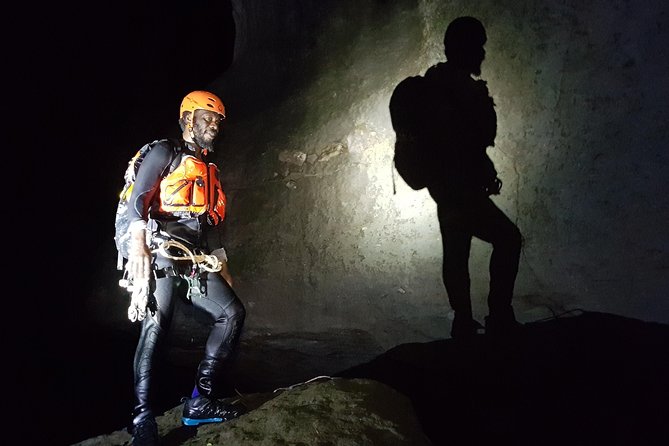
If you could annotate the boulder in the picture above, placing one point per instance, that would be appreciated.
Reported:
(322, 411)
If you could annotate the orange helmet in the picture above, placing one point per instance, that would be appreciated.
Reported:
(201, 100)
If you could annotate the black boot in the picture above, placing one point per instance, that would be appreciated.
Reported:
(202, 409)
(145, 429)
(205, 407)
(145, 432)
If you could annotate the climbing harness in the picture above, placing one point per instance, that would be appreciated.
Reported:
(140, 290)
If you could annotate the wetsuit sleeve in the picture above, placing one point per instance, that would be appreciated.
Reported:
(147, 181)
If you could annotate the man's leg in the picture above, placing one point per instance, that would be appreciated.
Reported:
(228, 316)
(153, 330)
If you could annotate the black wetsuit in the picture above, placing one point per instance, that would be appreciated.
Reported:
(219, 301)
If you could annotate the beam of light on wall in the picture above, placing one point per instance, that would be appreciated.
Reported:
(405, 220)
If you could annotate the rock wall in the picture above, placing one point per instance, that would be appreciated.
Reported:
(322, 233)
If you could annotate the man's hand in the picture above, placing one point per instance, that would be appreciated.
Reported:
(139, 257)
(225, 273)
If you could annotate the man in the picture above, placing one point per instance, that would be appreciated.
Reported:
(177, 200)
(463, 123)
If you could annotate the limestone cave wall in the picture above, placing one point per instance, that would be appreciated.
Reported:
(322, 234)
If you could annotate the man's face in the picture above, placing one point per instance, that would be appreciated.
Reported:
(206, 125)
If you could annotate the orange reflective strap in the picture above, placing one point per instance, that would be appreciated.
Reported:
(216, 196)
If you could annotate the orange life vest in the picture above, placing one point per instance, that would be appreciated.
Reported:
(192, 189)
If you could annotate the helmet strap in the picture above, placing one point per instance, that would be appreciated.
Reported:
(189, 125)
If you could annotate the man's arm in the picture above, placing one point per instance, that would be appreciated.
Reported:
(146, 185)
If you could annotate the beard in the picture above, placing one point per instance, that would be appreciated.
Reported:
(204, 140)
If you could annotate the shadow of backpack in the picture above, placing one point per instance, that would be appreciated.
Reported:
(409, 113)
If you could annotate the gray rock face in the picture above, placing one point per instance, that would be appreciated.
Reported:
(322, 411)
(322, 234)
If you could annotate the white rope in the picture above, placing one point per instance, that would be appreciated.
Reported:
(303, 383)
(138, 300)
(207, 262)
(140, 291)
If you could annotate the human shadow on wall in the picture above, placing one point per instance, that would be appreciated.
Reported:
(581, 378)
(594, 379)
(444, 122)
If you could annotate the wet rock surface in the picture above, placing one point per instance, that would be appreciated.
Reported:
(326, 411)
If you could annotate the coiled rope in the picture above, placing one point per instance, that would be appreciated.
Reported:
(139, 292)
(207, 262)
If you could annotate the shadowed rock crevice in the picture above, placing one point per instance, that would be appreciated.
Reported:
(584, 378)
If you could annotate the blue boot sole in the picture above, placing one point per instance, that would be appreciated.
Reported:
(197, 422)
